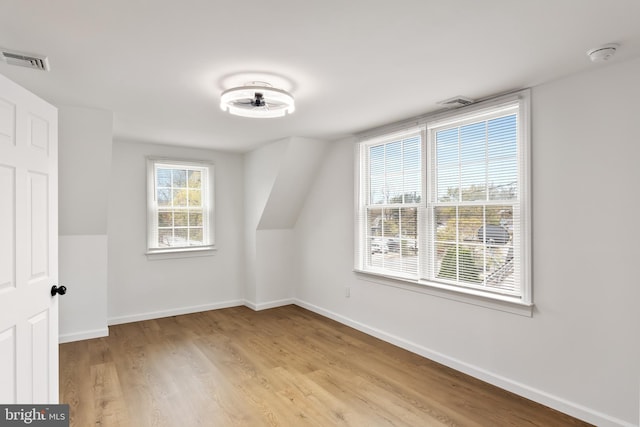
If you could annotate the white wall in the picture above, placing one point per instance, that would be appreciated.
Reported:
(580, 352)
(297, 167)
(83, 270)
(140, 288)
(260, 171)
(277, 178)
(84, 165)
(273, 268)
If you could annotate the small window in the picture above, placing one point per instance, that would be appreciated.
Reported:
(180, 206)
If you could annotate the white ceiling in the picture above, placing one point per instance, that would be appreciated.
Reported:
(160, 65)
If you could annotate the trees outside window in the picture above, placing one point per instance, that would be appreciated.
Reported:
(180, 205)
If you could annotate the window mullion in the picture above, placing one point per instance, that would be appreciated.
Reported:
(484, 249)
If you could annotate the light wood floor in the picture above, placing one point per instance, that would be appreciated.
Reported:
(281, 367)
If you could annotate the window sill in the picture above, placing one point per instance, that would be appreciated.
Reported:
(467, 296)
(158, 254)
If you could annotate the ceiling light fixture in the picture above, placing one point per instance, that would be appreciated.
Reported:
(258, 100)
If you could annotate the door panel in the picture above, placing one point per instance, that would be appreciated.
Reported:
(7, 229)
(39, 134)
(8, 365)
(28, 247)
(39, 332)
(7, 122)
(37, 225)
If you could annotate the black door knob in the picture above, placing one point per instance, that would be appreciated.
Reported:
(60, 290)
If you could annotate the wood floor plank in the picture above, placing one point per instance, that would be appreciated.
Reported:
(75, 388)
(109, 404)
(280, 367)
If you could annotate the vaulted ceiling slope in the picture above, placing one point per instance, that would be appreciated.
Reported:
(352, 65)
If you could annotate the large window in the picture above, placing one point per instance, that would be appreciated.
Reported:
(445, 202)
(180, 206)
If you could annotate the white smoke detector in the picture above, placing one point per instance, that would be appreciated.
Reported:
(603, 53)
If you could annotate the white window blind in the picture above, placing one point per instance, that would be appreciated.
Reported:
(474, 202)
(446, 205)
(393, 194)
(180, 205)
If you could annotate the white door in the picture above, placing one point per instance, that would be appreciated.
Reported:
(28, 247)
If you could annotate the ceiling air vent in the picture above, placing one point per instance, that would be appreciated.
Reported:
(456, 102)
(22, 59)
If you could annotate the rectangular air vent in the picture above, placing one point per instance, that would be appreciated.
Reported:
(458, 101)
(21, 59)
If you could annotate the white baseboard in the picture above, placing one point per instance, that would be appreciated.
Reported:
(84, 335)
(173, 312)
(542, 397)
(268, 305)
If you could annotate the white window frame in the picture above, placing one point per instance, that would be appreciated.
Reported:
(421, 282)
(365, 193)
(207, 200)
